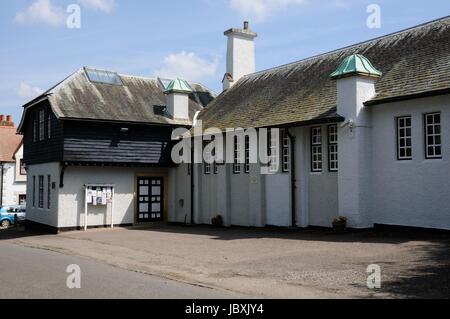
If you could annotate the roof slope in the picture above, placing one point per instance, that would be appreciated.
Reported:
(413, 61)
(137, 100)
(9, 143)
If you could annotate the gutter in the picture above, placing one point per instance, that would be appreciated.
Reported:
(1, 183)
(408, 97)
(293, 180)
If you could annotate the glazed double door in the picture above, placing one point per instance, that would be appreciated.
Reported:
(150, 206)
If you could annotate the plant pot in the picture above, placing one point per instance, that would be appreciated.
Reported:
(339, 228)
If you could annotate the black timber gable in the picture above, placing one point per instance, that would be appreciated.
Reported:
(49, 148)
(93, 142)
(117, 143)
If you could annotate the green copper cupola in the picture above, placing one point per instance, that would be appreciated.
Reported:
(355, 64)
(178, 86)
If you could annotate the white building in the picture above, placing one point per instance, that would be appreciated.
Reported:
(12, 174)
(365, 135)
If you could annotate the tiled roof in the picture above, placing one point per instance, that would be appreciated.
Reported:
(9, 143)
(135, 101)
(412, 62)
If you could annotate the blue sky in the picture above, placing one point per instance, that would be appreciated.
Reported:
(178, 38)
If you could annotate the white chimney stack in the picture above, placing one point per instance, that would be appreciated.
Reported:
(178, 99)
(240, 55)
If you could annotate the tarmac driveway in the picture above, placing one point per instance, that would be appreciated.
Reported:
(268, 263)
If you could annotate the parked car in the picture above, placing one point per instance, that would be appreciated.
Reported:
(11, 214)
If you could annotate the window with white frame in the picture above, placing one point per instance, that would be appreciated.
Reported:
(41, 125)
(273, 152)
(404, 138)
(236, 165)
(207, 164)
(34, 191)
(285, 152)
(333, 148)
(433, 142)
(247, 155)
(49, 187)
(41, 192)
(316, 149)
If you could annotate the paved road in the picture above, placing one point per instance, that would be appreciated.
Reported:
(35, 273)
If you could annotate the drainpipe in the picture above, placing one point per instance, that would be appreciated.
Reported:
(293, 178)
(192, 182)
(1, 184)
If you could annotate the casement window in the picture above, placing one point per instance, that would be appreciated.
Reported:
(49, 187)
(41, 125)
(272, 149)
(285, 152)
(189, 169)
(41, 192)
(433, 142)
(34, 191)
(404, 138)
(316, 149)
(207, 164)
(35, 130)
(247, 155)
(23, 170)
(49, 126)
(333, 148)
(236, 164)
(215, 168)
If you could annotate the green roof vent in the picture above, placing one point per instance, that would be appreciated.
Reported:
(355, 64)
(178, 86)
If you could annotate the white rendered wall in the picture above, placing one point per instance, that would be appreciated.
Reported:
(240, 57)
(178, 105)
(410, 193)
(34, 213)
(14, 184)
(71, 196)
(179, 194)
(11, 187)
(354, 179)
(316, 193)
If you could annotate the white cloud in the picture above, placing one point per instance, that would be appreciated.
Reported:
(27, 91)
(187, 66)
(99, 5)
(261, 9)
(41, 11)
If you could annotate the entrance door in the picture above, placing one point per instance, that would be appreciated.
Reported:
(150, 199)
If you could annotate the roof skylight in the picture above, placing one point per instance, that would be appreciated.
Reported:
(105, 77)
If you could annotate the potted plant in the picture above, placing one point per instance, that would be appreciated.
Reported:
(217, 220)
(340, 224)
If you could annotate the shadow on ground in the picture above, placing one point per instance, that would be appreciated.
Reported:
(309, 234)
(18, 232)
(429, 276)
